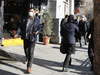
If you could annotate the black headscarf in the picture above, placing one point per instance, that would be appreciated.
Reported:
(70, 18)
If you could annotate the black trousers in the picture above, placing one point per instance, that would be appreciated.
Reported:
(91, 51)
(70, 49)
(82, 34)
(67, 60)
(29, 51)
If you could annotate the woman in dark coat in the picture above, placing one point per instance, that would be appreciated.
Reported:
(68, 32)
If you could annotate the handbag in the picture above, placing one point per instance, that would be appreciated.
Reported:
(62, 48)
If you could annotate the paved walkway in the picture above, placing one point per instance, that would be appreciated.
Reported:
(48, 61)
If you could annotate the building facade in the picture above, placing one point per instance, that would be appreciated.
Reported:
(57, 8)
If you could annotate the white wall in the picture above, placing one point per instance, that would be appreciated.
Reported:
(56, 8)
(71, 7)
(60, 9)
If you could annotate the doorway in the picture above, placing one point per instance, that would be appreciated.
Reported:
(14, 10)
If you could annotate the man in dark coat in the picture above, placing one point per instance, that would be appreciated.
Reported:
(91, 43)
(68, 32)
(64, 20)
(77, 20)
(30, 27)
(83, 30)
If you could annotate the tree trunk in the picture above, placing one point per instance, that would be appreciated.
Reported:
(96, 60)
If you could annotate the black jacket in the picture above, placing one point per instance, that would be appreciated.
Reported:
(68, 32)
(36, 27)
(63, 21)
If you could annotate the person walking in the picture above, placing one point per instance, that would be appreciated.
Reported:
(77, 20)
(68, 32)
(30, 27)
(83, 30)
(64, 20)
(91, 43)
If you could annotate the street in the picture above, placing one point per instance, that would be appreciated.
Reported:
(47, 61)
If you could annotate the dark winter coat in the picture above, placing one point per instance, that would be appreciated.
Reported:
(68, 32)
(82, 28)
(77, 22)
(36, 27)
(63, 21)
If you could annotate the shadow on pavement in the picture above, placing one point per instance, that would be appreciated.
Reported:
(24, 71)
(5, 59)
(81, 69)
(47, 64)
(41, 62)
(82, 73)
(2, 72)
(39, 43)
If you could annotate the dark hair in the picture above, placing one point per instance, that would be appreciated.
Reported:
(71, 18)
(30, 8)
(78, 16)
(66, 16)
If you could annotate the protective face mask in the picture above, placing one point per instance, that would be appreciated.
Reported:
(31, 13)
(37, 12)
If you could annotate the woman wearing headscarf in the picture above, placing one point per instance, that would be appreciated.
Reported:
(68, 32)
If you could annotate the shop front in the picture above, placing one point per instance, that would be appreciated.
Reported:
(11, 13)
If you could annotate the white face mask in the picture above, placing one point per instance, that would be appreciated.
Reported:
(37, 12)
(31, 13)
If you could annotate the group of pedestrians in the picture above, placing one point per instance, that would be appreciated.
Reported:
(72, 31)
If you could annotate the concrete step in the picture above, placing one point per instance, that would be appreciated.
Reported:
(12, 42)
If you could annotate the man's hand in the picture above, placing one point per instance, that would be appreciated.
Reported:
(15, 36)
(79, 40)
(36, 32)
(87, 40)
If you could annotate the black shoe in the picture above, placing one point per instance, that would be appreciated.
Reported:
(70, 63)
(65, 69)
(91, 69)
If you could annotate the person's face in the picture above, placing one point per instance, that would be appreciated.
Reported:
(31, 12)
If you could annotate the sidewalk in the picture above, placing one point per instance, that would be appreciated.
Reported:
(48, 61)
